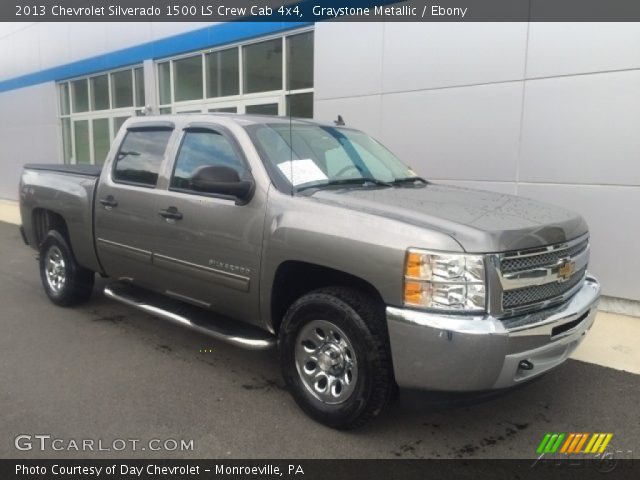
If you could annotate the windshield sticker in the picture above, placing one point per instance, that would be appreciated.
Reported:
(302, 171)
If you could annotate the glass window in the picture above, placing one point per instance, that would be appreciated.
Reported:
(165, 111)
(223, 76)
(66, 140)
(80, 95)
(262, 109)
(200, 149)
(338, 154)
(100, 93)
(140, 156)
(262, 65)
(300, 105)
(122, 89)
(101, 140)
(187, 78)
(139, 74)
(300, 61)
(81, 134)
(164, 80)
(64, 99)
(224, 110)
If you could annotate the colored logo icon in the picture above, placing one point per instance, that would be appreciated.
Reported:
(574, 443)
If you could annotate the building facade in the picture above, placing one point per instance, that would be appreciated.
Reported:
(545, 110)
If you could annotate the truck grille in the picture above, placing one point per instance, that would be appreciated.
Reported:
(515, 264)
(539, 277)
(532, 295)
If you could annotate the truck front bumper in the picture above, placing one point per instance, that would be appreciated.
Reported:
(471, 353)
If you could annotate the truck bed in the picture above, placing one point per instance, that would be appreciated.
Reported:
(85, 170)
(66, 191)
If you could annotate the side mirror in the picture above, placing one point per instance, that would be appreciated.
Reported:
(222, 180)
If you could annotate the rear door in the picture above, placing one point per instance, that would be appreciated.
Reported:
(126, 216)
(209, 250)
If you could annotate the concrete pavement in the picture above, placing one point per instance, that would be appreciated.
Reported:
(105, 371)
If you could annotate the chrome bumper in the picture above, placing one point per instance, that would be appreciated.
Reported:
(453, 353)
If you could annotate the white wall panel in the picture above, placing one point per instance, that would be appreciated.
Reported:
(54, 47)
(7, 53)
(466, 133)
(26, 43)
(347, 59)
(568, 48)
(28, 133)
(418, 56)
(582, 129)
(168, 29)
(358, 112)
(612, 214)
(87, 40)
(123, 35)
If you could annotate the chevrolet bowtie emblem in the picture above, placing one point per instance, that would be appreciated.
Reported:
(565, 270)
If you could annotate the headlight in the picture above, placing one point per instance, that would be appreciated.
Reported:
(443, 281)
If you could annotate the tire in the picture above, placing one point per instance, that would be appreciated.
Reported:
(335, 356)
(65, 282)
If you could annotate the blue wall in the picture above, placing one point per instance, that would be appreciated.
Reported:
(208, 37)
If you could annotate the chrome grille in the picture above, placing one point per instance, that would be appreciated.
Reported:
(522, 297)
(539, 277)
(514, 264)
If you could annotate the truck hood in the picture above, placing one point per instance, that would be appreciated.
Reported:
(479, 221)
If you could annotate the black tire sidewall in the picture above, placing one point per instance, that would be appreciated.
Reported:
(319, 306)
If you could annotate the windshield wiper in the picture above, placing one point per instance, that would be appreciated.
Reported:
(123, 154)
(405, 180)
(346, 181)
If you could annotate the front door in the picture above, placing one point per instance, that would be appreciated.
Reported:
(209, 247)
(126, 212)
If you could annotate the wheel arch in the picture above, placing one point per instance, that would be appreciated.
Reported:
(45, 220)
(294, 278)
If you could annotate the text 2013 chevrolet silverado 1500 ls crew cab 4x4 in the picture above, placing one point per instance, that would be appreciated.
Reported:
(317, 238)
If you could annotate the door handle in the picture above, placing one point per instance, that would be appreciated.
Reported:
(109, 202)
(171, 212)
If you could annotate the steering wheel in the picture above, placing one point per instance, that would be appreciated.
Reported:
(344, 170)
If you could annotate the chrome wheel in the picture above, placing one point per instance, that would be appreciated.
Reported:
(326, 362)
(55, 269)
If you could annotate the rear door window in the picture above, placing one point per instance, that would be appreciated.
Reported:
(140, 156)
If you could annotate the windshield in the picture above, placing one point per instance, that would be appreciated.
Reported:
(311, 155)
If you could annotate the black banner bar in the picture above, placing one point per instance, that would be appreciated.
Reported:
(547, 468)
(320, 10)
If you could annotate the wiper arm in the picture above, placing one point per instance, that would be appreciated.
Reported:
(346, 181)
(400, 181)
(125, 154)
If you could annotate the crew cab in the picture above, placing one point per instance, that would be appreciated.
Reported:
(264, 231)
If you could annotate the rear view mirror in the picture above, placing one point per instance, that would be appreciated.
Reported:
(221, 180)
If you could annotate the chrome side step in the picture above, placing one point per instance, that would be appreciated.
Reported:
(198, 319)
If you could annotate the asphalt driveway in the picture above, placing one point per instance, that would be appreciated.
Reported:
(105, 371)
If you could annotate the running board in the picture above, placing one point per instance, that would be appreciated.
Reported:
(198, 319)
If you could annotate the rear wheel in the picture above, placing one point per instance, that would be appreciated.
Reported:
(335, 356)
(65, 282)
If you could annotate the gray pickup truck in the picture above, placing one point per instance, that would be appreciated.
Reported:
(317, 239)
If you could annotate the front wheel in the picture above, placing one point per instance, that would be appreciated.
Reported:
(335, 356)
(65, 282)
